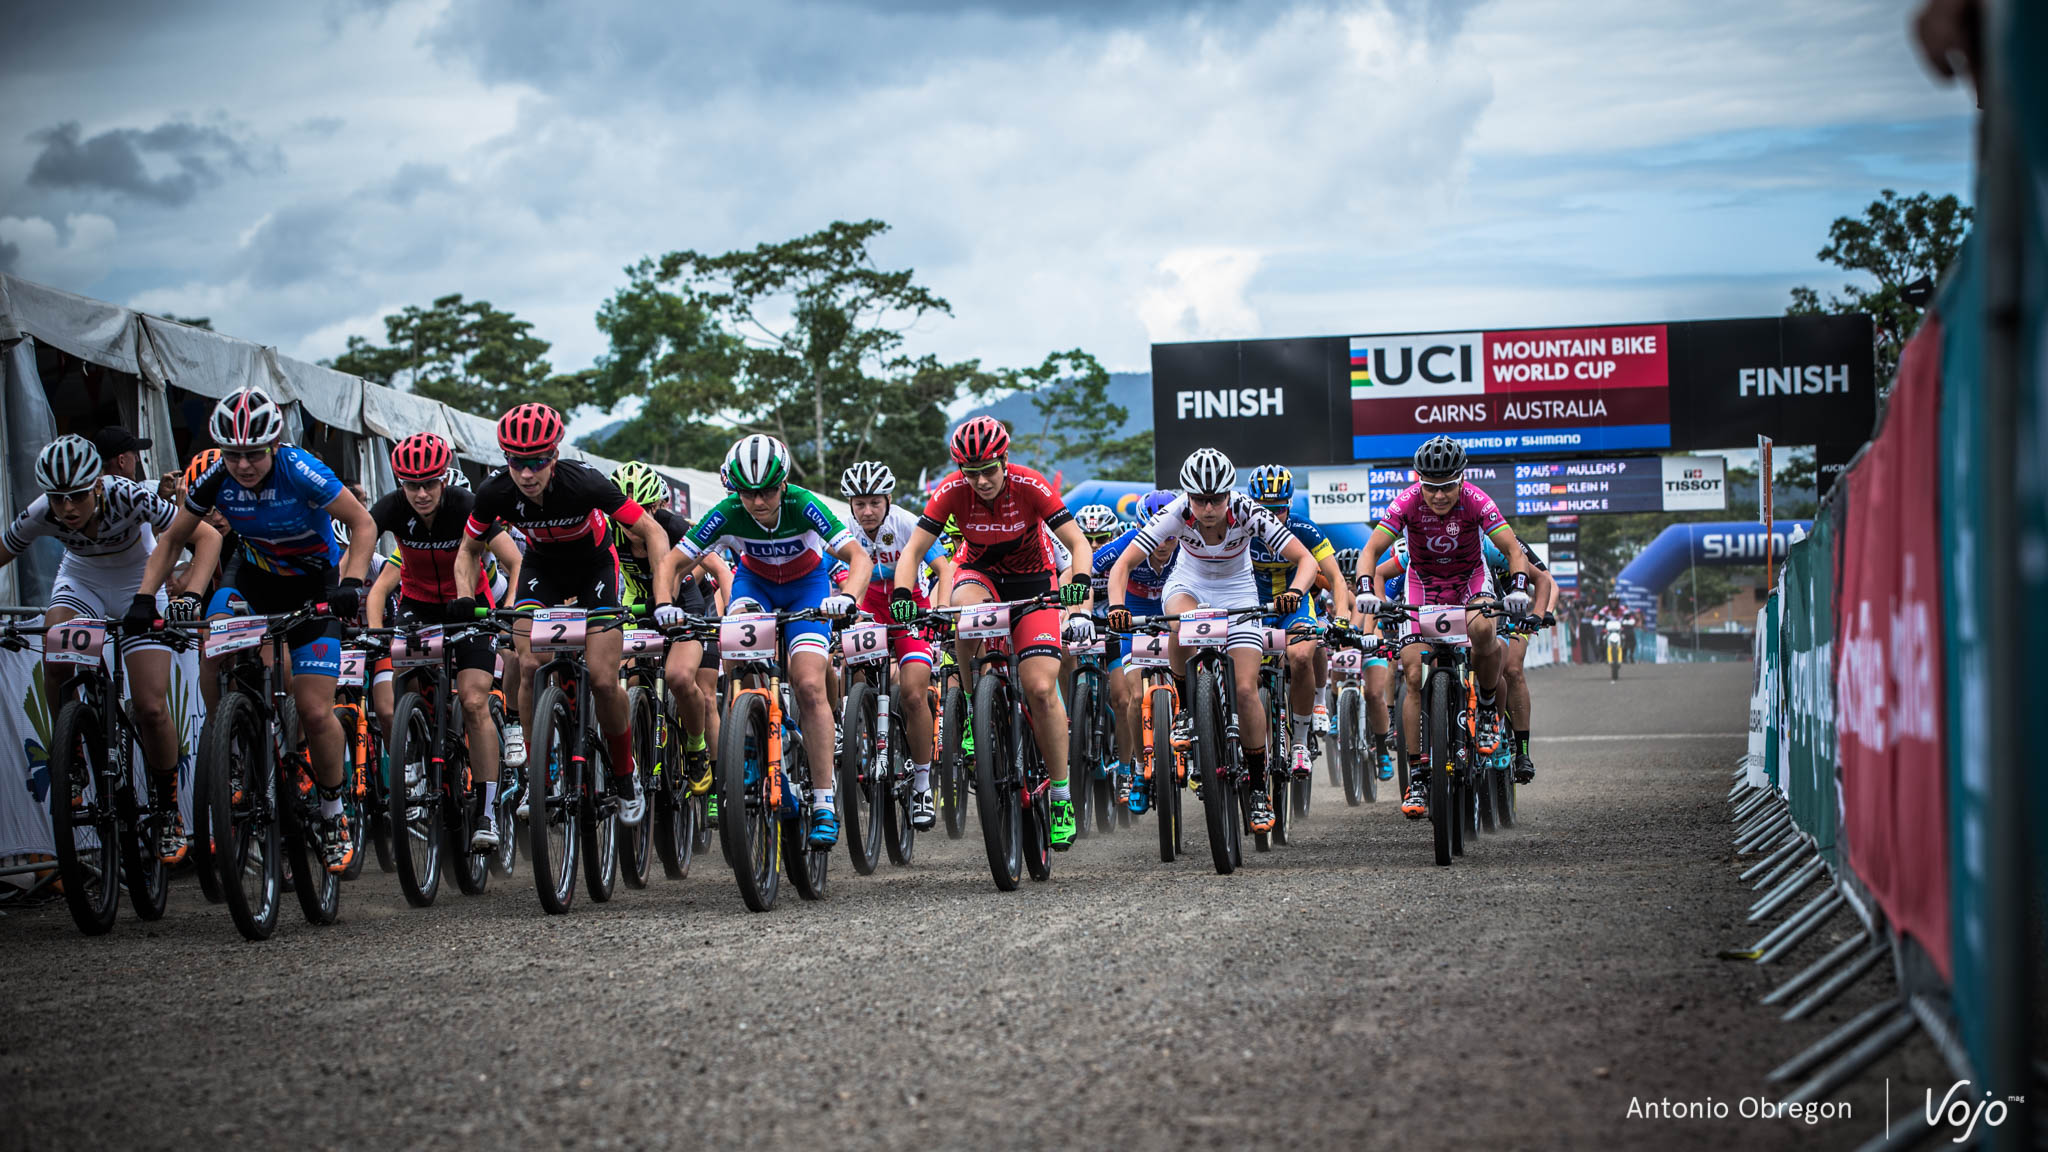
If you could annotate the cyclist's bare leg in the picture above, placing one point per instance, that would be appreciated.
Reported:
(473, 689)
(149, 685)
(1041, 684)
(520, 671)
(56, 677)
(1487, 656)
(680, 670)
(1517, 682)
(1251, 719)
(814, 711)
(707, 687)
(1378, 682)
(603, 650)
(380, 701)
(1411, 704)
(1180, 602)
(1301, 677)
(1123, 699)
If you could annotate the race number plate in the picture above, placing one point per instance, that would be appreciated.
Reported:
(1148, 650)
(417, 650)
(984, 622)
(76, 641)
(557, 629)
(1347, 661)
(1442, 623)
(748, 637)
(1276, 641)
(864, 642)
(645, 642)
(1205, 628)
(234, 634)
(353, 661)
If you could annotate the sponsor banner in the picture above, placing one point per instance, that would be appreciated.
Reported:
(1257, 401)
(1797, 379)
(1695, 483)
(1496, 480)
(1552, 487)
(1342, 496)
(1614, 439)
(1807, 686)
(1756, 775)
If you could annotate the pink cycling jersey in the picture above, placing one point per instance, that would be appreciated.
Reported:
(1448, 547)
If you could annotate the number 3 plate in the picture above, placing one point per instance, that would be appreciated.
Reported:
(557, 629)
(748, 637)
(1205, 628)
(984, 622)
(645, 642)
(864, 642)
(76, 641)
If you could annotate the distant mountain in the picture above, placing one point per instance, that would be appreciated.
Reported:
(1133, 390)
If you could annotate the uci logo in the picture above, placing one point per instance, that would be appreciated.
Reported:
(1433, 364)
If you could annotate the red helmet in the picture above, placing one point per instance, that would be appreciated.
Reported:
(420, 456)
(530, 430)
(980, 439)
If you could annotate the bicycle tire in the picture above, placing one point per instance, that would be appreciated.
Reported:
(417, 842)
(91, 873)
(749, 832)
(1080, 749)
(319, 890)
(1504, 797)
(554, 841)
(1351, 748)
(899, 835)
(636, 845)
(995, 793)
(1165, 783)
(1219, 798)
(807, 867)
(598, 815)
(375, 755)
(1436, 699)
(1034, 805)
(148, 880)
(506, 859)
(200, 824)
(354, 785)
(247, 860)
(859, 778)
(675, 817)
(953, 766)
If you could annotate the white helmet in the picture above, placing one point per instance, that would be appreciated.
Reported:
(245, 419)
(1097, 519)
(1208, 473)
(1401, 550)
(456, 479)
(867, 478)
(755, 464)
(68, 464)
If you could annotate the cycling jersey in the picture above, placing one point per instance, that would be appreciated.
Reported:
(1229, 557)
(125, 528)
(1274, 571)
(567, 523)
(426, 550)
(1446, 547)
(1146, 584)
(1000, 538)
(885, 546)
(283, 524)
(803, 533)
(637, 572)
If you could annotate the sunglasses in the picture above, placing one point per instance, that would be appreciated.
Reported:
(529, 463)
(1098, 539)
(1443, 486)
(74, 497)
(982, 470)
(1209, 501)
(244, 457)
(419, 485)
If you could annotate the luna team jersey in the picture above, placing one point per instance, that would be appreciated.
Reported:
(793, 546)
(1273, 571)
(123, 534)
(283, 521)
(1147, 584)
(1447, 547)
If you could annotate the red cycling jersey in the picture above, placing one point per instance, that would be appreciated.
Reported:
(1001, 538)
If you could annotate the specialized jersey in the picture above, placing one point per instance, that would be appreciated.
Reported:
(1274, 571)
(567, 523)
(1447, 546)
(283, 524)
(1146, 583)
(1228, 558)
(638, 571)
(886, 545)
(426, 550)
(130, 515)
(1000, 538)
(803, 532)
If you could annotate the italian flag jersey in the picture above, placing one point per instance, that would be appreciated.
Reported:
(803, 532)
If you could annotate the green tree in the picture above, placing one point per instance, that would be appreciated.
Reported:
(1070, 393)
(205, 322)
(668, 350)
(466, 354)
(1899, 243)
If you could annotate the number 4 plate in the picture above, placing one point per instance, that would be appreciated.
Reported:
(234, 634)
(76, 641)
(864, 642)
(1148, 650)
(747, 637)
(557, 629)
(1205, 628)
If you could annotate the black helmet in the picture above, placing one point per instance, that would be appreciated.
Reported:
(1439, 458)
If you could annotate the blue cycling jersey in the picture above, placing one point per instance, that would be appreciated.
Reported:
(283, 523)
(1147, 583)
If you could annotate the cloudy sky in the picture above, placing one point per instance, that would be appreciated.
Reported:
(1091, 173)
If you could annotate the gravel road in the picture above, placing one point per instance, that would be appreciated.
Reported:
(1343, 992)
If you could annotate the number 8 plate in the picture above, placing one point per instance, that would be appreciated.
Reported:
(1205, 628)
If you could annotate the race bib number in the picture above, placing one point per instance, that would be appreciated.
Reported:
(1442, 623)
(234, 634)
(984, 622)
(418, 649)
(76, 641)
(864, 642)
(1348, 661)
(1205, 628)
(353, 661)
(749, 637)
(557, 629)
(1148, 650)
(645, 642)
(1276, 641)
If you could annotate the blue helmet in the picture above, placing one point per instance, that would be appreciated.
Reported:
(1271, 484)
(1156, 502)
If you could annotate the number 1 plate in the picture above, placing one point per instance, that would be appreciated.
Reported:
(76, 641)
(557, 629)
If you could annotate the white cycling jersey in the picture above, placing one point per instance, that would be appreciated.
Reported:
(125, 530)
(1225, 560)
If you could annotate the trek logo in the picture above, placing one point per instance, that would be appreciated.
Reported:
(1434, 364)
(1798, 380)
(1229, 404)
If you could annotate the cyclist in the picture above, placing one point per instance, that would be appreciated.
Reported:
(884, 529)
(561, 506)
(782, 534)
(427, 516)
(283, 503)
(1445, 521)
(107, 525)
(1272, 487)
(1215, 525)
(1004, 511)
(1099, 524)
(1142, 597)
(1378, 675)
(1514, 679)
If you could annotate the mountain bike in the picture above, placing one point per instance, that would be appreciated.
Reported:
(658, 749)
(1357, 758)
(764, 792)
(1221, 778)
(1161, 769)
(1091, 741)
(873, 768)
(1614, 649)
(363, 756)
(950, 768)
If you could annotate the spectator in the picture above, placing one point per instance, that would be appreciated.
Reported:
(120, 451)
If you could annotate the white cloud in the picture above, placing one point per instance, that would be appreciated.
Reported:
(1201, 296)
(81, 251)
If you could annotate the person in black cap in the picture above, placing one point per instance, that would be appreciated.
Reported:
(120, 451)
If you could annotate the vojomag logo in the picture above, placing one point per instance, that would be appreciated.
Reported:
(1432, 364)
(1958, 1110)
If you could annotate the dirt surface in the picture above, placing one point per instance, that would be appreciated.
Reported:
(1343, 992)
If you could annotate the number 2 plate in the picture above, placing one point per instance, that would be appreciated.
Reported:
(557, 629)
(864, 642)
(984, 622)
(1148, 650)
(234, 634)
(353, 660)
(76, 641)
(1205, 628)
(1443, 623)
(748, 637)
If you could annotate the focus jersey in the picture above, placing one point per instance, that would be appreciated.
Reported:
(638, 571)
(426, 549)
(566, 523)
(1003, 537)
(803, 532)
(885, 546)
(1228, 558)
(283, 523)
(125, 527)
(1274, 571)
(1146, 583)
(1447, 546)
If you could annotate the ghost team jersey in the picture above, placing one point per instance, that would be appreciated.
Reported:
(282, 522)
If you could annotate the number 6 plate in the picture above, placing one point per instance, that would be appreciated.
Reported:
(984, 622)
(76, 641)
(1443, 623)
(557, 629)
(748, 637)
(234, 634)
(1205, 628)
(864, 642)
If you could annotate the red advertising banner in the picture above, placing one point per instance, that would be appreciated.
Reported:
(1889, 660)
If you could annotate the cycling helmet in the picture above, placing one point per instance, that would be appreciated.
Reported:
(456, 479)
(1208, 473)
(246, 418)
(867, 478)
(1271, 484)
(1347, 562)
(420, 457)
(341, 533)
(1440, 458)
(1401, 550)
(1156, 502)
(199, 464)
(68, 464)
(641, 484)
(980, 440)
(1097, 520)
(756, 464)
(530, 430)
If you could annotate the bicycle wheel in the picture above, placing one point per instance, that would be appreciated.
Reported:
(1219, 797)
(506, 858)
(954, 766)
(1482, 796)
(149, 881)
(636, 845)
(860, 781)
(199, 821)
(462, 809)
(87, 835)
(237, 784)
(1302, 791)
(995, 785)
(598, 814)
(1504, 796)
(554, 837)
(414, 785)
(355, 783)
(1352, 748)
(1034, 807)
(899, 835)
(298, 810)
(379, 821)
(1082, 750)
(1165, 782)
(675, 815)
(1436, 702)
(747, 828)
